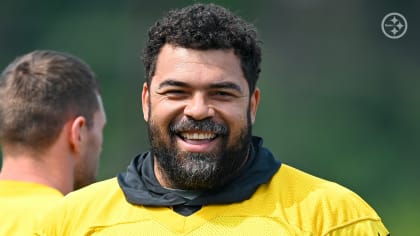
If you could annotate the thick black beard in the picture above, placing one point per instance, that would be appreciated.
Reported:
(198, 171)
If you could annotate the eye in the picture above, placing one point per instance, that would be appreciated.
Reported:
(223, 94)
(174, 93)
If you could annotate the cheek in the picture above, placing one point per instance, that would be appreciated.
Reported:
(94, 154)
(237, 126)
(235, 116)
(163, 113)
(95, 142)
(236, 122)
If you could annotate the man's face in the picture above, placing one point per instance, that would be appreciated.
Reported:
(86, 168)
(199, 114)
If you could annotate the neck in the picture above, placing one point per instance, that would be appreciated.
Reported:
(48, 169)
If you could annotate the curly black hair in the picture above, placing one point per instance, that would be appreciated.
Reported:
(203, 27)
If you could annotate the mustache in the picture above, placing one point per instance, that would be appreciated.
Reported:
(206, 125)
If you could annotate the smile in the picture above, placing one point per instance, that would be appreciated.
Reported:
(197, 141)
(196, 135)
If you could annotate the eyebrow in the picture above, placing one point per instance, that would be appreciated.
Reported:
(226, 85)
(171, 82)
(222, 85)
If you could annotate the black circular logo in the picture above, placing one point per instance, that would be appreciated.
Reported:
(394, 25)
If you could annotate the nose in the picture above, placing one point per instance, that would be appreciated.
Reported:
(198, 108)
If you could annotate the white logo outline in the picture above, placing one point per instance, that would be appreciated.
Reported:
(396, 33)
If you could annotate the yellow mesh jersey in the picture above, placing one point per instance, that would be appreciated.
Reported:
(292, 203)
(21, 203)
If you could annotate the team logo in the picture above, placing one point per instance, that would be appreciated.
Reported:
(394, 25)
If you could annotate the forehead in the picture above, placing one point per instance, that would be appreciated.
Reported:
(194, 66)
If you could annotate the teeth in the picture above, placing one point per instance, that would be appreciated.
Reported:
(198, 136)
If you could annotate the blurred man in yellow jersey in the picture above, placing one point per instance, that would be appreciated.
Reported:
(206, 174)
(51, 121)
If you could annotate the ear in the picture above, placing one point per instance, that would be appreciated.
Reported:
(254, 102)
(78, 126)
(145, 101)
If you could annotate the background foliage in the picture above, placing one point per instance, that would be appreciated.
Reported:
(339, 99)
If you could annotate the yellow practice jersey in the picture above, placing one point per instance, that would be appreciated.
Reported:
(291, 203)
(21, 204)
